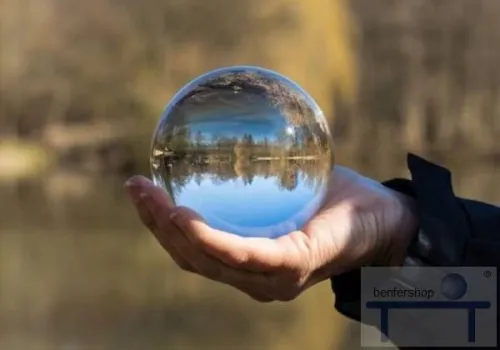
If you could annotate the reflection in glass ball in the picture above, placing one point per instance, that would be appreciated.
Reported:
(247, 149)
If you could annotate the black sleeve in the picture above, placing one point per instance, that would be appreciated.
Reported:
(453, 231)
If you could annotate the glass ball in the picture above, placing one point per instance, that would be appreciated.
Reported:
(247, 149)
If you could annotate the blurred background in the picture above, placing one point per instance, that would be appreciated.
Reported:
(82, 85)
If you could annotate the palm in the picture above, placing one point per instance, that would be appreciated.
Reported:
(358, 223)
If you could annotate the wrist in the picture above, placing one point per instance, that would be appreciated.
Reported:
(406, 232)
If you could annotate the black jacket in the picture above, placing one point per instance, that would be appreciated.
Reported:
(453, 231)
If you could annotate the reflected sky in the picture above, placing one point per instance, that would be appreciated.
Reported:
(260, 124)
(259, 209)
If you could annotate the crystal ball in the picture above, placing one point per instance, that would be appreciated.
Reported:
(246, 148)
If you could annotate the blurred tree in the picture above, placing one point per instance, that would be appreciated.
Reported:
(108, 59)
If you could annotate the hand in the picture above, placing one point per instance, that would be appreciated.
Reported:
(361, 222)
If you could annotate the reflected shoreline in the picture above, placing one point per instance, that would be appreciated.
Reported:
(313, 170)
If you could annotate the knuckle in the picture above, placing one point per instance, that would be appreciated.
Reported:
(239, 258)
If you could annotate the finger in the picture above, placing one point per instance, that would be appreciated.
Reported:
(142, 185)
(183, 263)
(260, 287)
(145, 216)
(158, 205)
(253, 254)
(254, 284)
(167, 234)
(170, 246)
(139, 182)
(148, 220)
